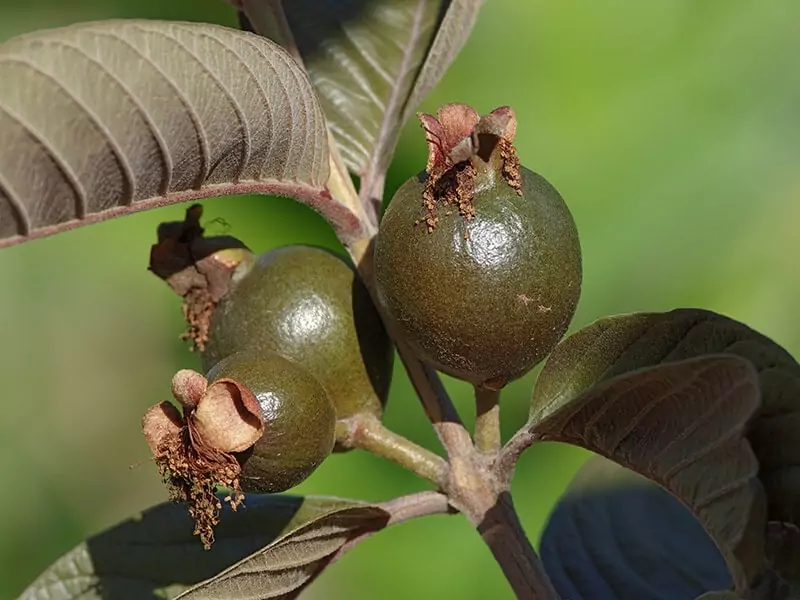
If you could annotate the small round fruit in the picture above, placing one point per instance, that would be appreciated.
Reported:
(309, 305)
(299, 420)
(484, 284)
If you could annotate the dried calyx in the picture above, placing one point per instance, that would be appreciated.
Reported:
(194, 450)
(197, 268)
(462, 145)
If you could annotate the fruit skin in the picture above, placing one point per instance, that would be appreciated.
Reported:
(299, 420)
(309, 305)
(483, 299)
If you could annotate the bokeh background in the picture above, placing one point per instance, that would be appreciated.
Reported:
(672, 128)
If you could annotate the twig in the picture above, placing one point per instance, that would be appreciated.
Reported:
(487, 421)
(507, 460)
(403, 509)
(416, 505)
(368, 433)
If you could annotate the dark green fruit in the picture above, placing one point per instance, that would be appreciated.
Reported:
(309, 305)
(478, 261)
(299, 420)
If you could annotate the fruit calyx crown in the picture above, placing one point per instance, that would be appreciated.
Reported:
(195, 451)
(460, 145)
(197, 268)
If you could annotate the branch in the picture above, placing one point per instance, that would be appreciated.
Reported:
(503, 533)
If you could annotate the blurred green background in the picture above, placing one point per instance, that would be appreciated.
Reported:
(672, 128)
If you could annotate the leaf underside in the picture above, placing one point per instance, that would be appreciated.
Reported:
(285, 567)
(104, 118)
(614, 535)
(372, 62)
(682, 426)
(615, 345)
(155, 554)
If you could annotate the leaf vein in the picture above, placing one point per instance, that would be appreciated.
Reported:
(81, 201)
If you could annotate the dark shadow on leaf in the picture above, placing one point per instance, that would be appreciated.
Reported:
(155, 554)
(622, 537)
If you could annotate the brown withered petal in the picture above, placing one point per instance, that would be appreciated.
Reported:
(458, 121)
(188, 387)
(449, 134)
(228, 417)
(501, 122)
(159, 423)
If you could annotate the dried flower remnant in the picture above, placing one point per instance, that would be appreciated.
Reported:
(460, 146)
(195, 450)
(197, 268)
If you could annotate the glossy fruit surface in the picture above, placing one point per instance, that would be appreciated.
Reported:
(482, 298)
(308, 304)
(299, 420)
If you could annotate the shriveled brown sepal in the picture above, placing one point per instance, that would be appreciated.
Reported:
(195, 451)
(460, 145)
(197, 268)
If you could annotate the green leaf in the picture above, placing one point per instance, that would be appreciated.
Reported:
(105, 118)
(372, 62)
(155, 554)
(618, 344)
(285, 567)
(682, 426)
(614, 534)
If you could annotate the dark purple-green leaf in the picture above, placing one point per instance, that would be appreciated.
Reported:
(682, 426)
(615, 345)
(615, 535)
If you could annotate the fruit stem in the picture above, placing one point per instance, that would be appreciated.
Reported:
(439, 408)
(487, 420)
(368, 433)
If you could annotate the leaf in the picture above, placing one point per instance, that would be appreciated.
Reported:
(372, 62)
(155, 554)
(682, 426)
(614, 345)
(285, 567)
(615, 535)
(618, 344)
(106, 118)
